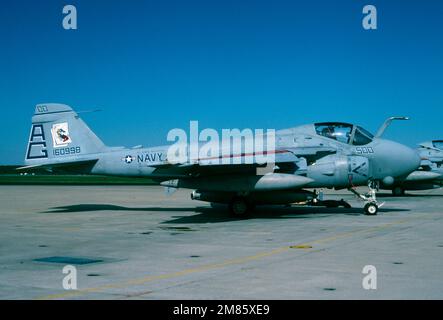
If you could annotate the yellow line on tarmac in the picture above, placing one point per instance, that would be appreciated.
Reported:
(143, 280)
(347, 234)
(164, 276)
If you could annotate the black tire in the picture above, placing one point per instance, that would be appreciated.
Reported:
(240, 208)
(398, 191)
(371, 209)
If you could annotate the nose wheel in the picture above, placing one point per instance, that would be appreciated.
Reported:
(371, 209)
(370, 199)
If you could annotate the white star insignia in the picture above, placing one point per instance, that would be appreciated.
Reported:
(128, 159)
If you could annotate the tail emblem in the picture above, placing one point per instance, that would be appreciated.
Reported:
(37, 143)
(60, 134)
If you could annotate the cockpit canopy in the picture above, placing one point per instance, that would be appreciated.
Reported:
(438, 144)
(344, 133)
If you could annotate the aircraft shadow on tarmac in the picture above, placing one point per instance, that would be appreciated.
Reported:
(219, 213)
(108, 207)
(214, 215)
(408, 195)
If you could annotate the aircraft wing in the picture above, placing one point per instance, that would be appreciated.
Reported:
(287, 160)
(241, 164)
(207, 175)
(280, 156)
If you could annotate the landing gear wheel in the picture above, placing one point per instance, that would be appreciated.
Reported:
(371, 204)
(398, 191)
(239, 208)
(371, 209)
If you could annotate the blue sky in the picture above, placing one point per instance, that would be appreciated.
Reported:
(155, 65)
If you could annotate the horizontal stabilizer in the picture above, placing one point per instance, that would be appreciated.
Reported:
(82, 166)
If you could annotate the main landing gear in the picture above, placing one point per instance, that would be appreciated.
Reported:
(240, 207)
(371, 204)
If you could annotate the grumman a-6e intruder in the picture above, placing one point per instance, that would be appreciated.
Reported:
(321, 155)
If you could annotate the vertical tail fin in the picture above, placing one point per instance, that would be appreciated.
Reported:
(58, 134)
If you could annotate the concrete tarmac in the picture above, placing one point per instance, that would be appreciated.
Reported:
(134, 242)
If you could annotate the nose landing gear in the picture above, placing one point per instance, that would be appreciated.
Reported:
(371, 203)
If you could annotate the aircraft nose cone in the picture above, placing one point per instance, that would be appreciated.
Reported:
(396, 160)
(412, 159)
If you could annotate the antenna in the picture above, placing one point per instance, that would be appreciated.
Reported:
(89, 111)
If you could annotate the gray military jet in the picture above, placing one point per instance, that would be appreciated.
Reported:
(321, 155)
(430, 173)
